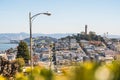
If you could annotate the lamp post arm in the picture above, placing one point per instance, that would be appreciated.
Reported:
(36, 15)
(48, 14)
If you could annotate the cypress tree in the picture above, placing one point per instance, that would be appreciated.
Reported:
(23, 51)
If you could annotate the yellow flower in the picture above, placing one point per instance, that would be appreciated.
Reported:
(20, 76)
(2, 78)
(88, 65)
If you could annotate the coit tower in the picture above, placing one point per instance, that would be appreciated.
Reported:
(85, 29)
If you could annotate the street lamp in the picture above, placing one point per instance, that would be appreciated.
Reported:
(31, 18)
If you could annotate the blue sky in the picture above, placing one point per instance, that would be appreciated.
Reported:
(68, 16)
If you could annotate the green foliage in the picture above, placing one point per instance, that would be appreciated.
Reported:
(40, 73)
(89, 37)
(23, 51)
(47, 74)
(115, 70)
(21, 63)
(80, 72)
(20, 76)
(114, 40)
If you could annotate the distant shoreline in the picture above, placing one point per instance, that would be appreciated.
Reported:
(7, 43)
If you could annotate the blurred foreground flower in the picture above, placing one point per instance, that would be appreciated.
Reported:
(103, 73)
(2, 78)
(83, 71)
(20, 76)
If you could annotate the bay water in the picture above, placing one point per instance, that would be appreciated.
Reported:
(4, 47)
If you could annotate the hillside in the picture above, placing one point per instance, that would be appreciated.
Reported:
(41, 40)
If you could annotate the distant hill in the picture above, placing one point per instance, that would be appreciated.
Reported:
(41, 39)
(21, 36)
(56, 35)
(114, 36)
(13, 36)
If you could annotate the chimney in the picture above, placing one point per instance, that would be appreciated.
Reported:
(85, 29)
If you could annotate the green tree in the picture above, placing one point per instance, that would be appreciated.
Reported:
(21, 63)
(23, 51)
